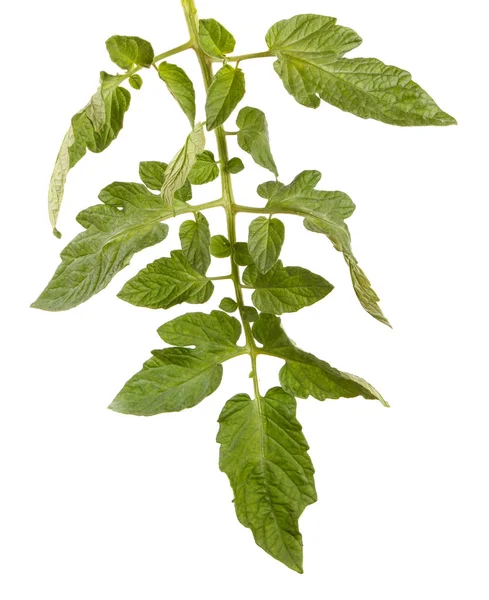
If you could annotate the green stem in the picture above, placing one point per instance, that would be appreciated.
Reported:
(173, 51)
(200, 207)
(220, 278)
(227, 189)
(241, 57)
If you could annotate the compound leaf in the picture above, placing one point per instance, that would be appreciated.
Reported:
(285, 289)
(129, 51)
(324, 212)
(224, 94)
(127, 222)
(305, 375)
(167, 282)
(214, 39)
(195, 237)
(309, 50)
(180, 87)
(265, 240)
(94, 127)
(253, 137)
(204, 170)
(264, 454)
(179, 167)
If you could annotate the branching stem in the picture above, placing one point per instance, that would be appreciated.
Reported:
(227, 189)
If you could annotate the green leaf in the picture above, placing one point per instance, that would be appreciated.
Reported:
(250, 314)
(241, 254)
(264, 454)
(324, 212)
(204, 170)
(311, 37)
(178, 378)
(152, 173)
(253, 137)
(129, 51)
(179, 167)
(224, 94)
(172, 380)
(309, 50)
(214, 39)
(305, 375)
(127, 222)
(136, 81)
(229, 305)
(216, 333)
(234, 166)
(94, 127)
(285, 289)
(265, 240)
(195, 237)
(167, 282)
(180, 87)
(220, 246)
(184, 194)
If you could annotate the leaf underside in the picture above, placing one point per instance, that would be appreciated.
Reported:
(94, 128)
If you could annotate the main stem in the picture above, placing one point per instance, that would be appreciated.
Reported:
(227, 187)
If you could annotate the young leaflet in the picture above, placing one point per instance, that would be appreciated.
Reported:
(262, 448)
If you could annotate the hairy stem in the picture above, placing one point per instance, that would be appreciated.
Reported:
(227, 189)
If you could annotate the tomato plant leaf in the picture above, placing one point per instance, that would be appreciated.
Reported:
(264, 454)
(305, 375)
(126, 222)
(324, 212)
(309, 51)
(215, 40)
(94, 128)
(195, 237)
(180, 87)
(225, 93)
(178, 169)
(253, 137)
(265, 240)
(129, 51)
(285, 289)
(204, 170)
(167, 282)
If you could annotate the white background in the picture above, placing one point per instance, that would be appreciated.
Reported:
(104, 506)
